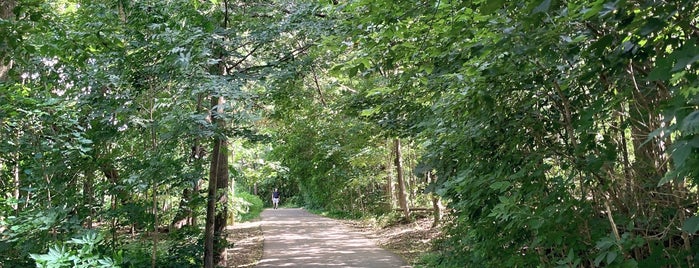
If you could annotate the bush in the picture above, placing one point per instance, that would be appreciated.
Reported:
(294, 201)
(339, 214)
(246, 206)
(78, 252)
(186, 249)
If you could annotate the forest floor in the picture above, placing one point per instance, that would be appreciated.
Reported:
(246, 242)
(408, 240)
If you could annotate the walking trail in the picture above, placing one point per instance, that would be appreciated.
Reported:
(296, 238)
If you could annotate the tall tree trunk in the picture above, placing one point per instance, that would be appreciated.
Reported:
(154, 148)
(6, 7)
(402, 200)
(6, 13)
(222, 204)
(217, 209)
(210, 212)
(217, 202)
(389, 178)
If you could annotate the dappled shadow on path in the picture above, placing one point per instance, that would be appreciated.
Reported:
(296, 238)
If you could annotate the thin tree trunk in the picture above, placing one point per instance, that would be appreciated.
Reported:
(401, 180)
(436, 202)
(88, 196)
(154, 255)
(154, 148)
(222, 204)
(210, 212)
(411, 186)
(16, 184)
(6, 13)
(390, 201)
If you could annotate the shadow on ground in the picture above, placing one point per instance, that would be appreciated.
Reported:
(296, 238)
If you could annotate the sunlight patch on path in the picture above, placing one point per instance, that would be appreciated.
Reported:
(296, 238)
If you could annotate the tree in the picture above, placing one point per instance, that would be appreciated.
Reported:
(402, 199)
(6, 13)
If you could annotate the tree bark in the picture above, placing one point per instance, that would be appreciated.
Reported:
(209, 225)
(222, 204)
(6, 7)
(217, 209)
(389, 179)
(16, 184)
(217, 202)
(402, 200)
(436, 202)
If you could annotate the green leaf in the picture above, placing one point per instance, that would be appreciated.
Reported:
(353, 71)
(669, 176)
(592, 11)
(629, 264)
(652, 25)
(685, 56)
(599, 259)
(662, 70)
(690, 124)
(611, 256)
(681, 153)
(542, 7)
(500, 185)
(489, 7)
(691, 225)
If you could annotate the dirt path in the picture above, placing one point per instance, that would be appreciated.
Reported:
(296, 238)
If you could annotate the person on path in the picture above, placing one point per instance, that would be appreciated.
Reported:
(275, 198)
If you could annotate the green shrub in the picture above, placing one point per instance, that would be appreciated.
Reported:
(294, 201)
(246, 206)
(78, 252)
(338, 214)
(187, 248)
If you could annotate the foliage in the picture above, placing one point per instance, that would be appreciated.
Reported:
(554, 128)
(561, 133)
(339, 214)
(102, 104)
(85, 251)
(246, 206)
(185, 248)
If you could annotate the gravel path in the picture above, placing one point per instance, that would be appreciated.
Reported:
(296, 238)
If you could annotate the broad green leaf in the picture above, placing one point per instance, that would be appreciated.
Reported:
(662, 70)
(611, 256)
(598, 260)
(592, 11)
(680, 153)
(543, 7)
(490, 6)
(690, 124)
(652, 25)
(691, 225)
(685, 56)
(629, 264)
(500, 185)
